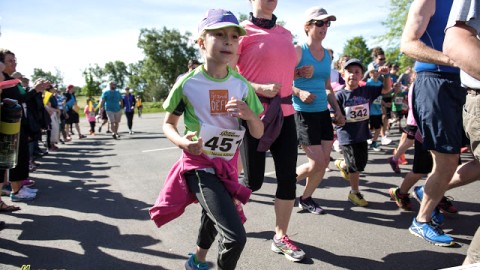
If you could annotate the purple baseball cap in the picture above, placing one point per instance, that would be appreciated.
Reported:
(218, 19)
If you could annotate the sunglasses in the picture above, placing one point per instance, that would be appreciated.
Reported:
(381, 59)
(320, 23)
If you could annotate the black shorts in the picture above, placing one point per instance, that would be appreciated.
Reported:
(422, 159)
(73, 117)
(438, 99)
(313, 127)
(410, 131)
(356, 156)
(376, 121)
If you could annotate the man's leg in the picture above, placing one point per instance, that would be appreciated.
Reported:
(444, 166)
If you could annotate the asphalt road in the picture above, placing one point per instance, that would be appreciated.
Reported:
(92, 213)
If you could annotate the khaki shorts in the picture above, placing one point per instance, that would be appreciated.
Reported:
(114, 117)
(471, 121)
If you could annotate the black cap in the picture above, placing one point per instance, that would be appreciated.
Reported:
(353, 61)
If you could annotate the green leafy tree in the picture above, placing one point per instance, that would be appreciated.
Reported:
(357, 48)
(135, 81)
(395, 22)
(56, 79)
(117, 72)
(166, 56)
(92, 86)
(93, 79)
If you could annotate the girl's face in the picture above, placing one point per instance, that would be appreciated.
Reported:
(220, 45)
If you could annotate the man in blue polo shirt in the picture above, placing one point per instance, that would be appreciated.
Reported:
(112, 103)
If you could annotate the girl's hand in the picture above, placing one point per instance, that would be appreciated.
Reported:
(193, 147)
(238, 108)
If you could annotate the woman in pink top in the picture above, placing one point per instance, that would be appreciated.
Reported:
(267, 58)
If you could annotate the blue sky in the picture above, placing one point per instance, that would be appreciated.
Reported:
(71, 35)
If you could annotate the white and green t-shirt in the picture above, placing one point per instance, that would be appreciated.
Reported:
(202, 99)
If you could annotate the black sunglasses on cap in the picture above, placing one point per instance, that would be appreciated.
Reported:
(320, 23)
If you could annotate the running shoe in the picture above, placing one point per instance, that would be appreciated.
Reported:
(191, 265)
(446, 206)
(385, 140)
(30, 190)
(394, 165)
(403, 160)
(310, 205)
(22, 195)
(402, 200)
(437, 217)
(288, 248)
(357, 199)
(343, 172)
(375, 146)
(430, 233)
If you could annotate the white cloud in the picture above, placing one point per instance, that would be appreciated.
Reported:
(102, 31)
(70, 55)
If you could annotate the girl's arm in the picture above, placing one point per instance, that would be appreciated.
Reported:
(184, 142)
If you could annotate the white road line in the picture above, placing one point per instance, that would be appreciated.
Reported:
(160, 149)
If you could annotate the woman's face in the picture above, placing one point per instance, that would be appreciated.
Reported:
(317, 29)
(10, 64)
(267, 6)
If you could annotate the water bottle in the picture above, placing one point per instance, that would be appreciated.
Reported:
(10, 117)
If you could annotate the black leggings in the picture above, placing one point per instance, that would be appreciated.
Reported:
(92, 126)
(284, 152)
(129, 116)
(219, 214)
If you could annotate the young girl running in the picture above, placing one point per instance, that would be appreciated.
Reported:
(214, 98)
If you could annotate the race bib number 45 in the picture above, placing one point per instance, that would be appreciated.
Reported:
(357, 113)
(220, 142)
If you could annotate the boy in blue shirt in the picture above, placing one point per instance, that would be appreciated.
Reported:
(355, 101)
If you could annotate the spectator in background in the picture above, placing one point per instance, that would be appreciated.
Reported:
(53, 132)
(72, 109)
(139, 105)
(406, 77)
(334, 74)
(61, 106)
(129, 108)
(18, 176)
(394, 68)
(192, 64)
(379, 60)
